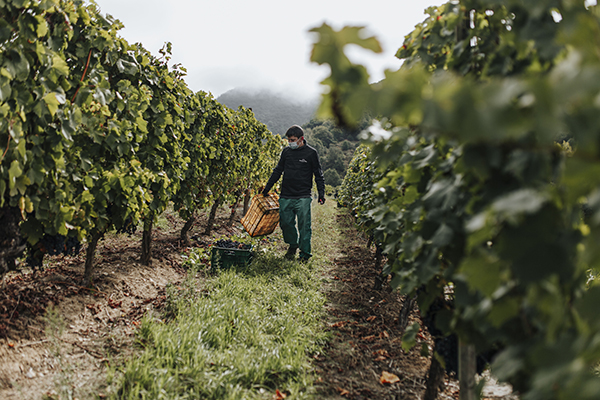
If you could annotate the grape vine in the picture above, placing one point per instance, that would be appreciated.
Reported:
(485, 150)
(99, 134)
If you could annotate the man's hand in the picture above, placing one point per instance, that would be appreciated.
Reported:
(321, 200)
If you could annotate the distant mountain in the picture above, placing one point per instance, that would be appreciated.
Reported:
(272, 109)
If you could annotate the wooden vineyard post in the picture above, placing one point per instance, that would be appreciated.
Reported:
(247, 197)
(466, 370)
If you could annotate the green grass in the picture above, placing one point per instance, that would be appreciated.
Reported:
(239, 334)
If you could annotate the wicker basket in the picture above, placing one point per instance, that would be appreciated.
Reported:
(263, 215)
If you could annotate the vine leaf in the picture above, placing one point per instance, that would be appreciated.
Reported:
(409, 339)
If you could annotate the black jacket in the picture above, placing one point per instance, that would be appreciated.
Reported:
(298, 167)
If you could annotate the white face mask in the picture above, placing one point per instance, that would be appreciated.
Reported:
(294, 145)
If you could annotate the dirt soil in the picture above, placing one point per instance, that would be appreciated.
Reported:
(57, 337)
(365, 359)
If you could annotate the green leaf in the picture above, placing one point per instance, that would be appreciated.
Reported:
(443, 236)
(127, 66)
(60, 66)
(14, 172)
(142, 124)
(524, 201)
(22, 149)
(5, 88)
(69, 125)
(16, 130)
(36, 173)
(32, 229)
(424, 350)
(18, 66)
(442, 194)
(86, 197)
(52, 102)
(508, 363)
(4, 109)
(21, 3)
(483, 273)
(5, 30)
(587, 306)
(327, 50)
(581, 176)
(409, 339)
(504, 310)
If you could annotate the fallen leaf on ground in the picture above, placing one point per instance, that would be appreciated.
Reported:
(388, 377)
(381, 355)
(278, 395)
(343, 392)
(384, 334)
(338, 324)
(371, 318)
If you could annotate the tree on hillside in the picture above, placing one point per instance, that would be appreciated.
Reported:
(316, 143)
(322, 134)
(332, 177)
(335, 145)
(335, 160)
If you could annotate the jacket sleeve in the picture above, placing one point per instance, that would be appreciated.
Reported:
(319, 179)
(277, 171)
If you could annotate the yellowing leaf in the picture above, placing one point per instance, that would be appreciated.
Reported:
(42, 28)
(22, 206)
(5, 72)
(25, 205)
(28, 205)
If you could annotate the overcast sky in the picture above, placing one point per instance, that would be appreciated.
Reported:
(230, 44)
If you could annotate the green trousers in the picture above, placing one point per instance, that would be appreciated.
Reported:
(289, 211)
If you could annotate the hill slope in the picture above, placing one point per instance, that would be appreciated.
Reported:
(272, 109)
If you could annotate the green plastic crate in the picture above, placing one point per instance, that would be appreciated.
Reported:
(222, 257)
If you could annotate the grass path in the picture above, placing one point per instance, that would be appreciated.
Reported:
(242, 333)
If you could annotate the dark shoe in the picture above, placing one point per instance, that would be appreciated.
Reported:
(291, 253)
(303, 260)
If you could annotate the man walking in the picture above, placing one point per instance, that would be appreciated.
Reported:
(298, 163)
